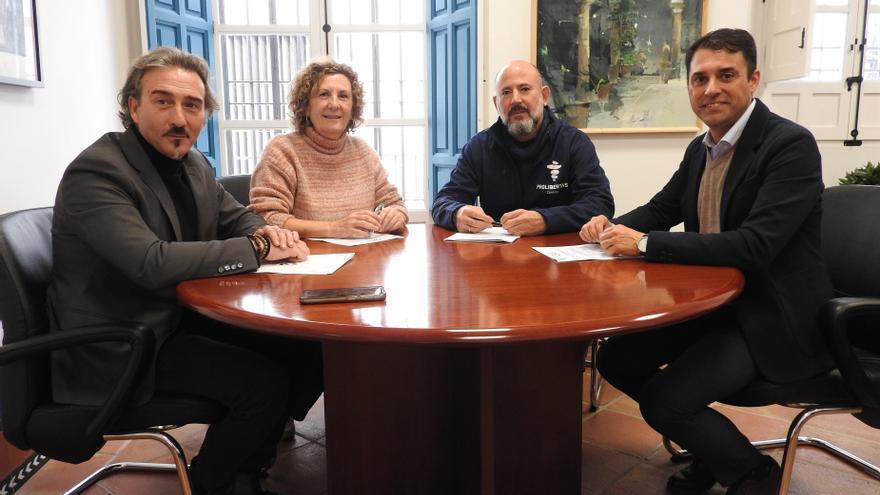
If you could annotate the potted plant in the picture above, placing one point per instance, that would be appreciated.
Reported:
(867, 175)
(603, 89)
(628, 59)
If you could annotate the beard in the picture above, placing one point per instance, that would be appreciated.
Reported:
(522, 127)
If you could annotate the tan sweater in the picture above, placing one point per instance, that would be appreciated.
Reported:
(309, 177)
(711, 189)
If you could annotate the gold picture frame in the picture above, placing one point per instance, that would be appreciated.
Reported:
(629, 77)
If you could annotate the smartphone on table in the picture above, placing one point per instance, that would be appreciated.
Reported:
(343, 294)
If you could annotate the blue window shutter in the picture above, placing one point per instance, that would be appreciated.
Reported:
(187, 24)
(452, 75)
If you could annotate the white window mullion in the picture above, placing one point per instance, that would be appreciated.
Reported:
(316, 31)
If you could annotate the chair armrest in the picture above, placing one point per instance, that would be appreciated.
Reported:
(45, 343)
(836, 318)
(140, 340)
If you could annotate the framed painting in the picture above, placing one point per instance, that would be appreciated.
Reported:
(19, 43)
(618, 65)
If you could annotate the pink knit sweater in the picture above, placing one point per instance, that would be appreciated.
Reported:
(310, 177)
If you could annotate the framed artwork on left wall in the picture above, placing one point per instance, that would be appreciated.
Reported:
(19, 43)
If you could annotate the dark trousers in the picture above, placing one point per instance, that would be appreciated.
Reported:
(302, 359)
(262, 381)
(706, 360)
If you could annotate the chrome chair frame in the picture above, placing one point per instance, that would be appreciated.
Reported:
(794, 440)
(596, 380)
(158, 434)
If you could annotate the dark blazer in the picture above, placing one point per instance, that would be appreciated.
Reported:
(116, 259)
(770, 225)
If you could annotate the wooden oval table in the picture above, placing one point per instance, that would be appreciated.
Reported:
(468, 378)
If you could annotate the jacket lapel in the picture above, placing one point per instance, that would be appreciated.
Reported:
(138, 159)
(744, 155)
(201, 195)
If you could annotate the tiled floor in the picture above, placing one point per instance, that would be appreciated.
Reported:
(621, 455)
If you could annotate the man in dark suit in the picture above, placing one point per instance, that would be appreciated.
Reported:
(136, 213)
(748, 192)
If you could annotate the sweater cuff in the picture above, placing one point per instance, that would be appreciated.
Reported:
(278, 219)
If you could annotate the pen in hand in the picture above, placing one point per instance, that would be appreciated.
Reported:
(378, 209)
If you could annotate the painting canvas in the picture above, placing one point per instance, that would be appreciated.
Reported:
(19, 54)
(618, 65)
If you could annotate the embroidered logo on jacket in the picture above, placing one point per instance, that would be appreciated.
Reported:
(554, 167)
(555, 187)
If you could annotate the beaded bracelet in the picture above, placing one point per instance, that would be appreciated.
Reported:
(261, 245)
(267, 246)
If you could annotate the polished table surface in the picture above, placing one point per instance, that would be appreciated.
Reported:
(467, 379)
(468, 293)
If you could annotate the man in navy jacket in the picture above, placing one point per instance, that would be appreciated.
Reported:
(530, 171)
(749, 194)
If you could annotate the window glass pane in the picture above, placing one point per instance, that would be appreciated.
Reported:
(257, 70)
(244, 11)
(356, 50)
(244, 147)
(292, 12)
(385, 12)
(829, 36)
(402, 151)
(399, 91)
(351, 12)
(388, 11)
(264, 12)
(871, 69)
(401, 12)
(413, 12)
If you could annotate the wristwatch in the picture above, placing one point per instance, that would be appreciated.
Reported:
(642, 244)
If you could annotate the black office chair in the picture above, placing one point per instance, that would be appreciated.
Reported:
(73, 433)
(239, 186)
(851, 324)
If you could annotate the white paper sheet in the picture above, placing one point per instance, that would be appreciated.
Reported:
(315, 264)
(356, 241)
(489, 234)
(581, 252)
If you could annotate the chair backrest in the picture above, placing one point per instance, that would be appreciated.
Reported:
(25, 271)
(239, 186)
(851, 239)
(851, 248)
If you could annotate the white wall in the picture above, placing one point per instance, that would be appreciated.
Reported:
(636, 164)
(84, 54)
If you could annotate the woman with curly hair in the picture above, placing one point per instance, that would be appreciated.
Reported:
(320, 180)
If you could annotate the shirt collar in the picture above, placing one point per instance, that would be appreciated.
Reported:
(729, 139)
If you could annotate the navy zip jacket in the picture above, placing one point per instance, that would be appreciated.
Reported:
(556, 174)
